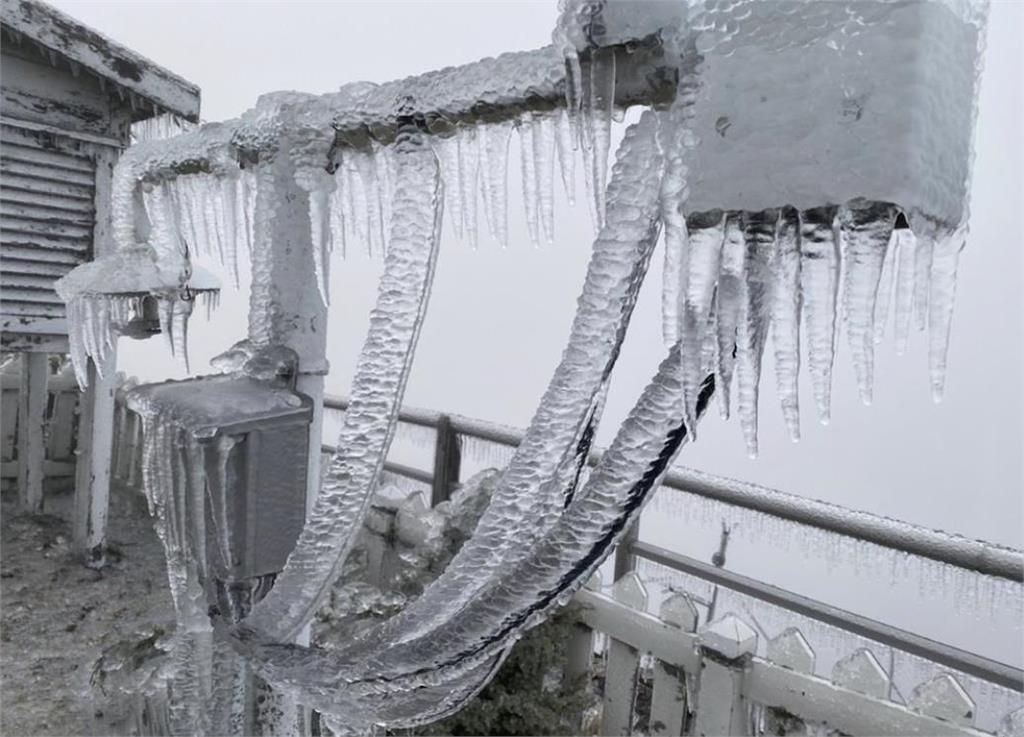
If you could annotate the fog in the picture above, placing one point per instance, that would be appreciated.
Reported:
(498, 319)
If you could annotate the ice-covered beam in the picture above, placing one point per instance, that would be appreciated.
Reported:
(486, 91)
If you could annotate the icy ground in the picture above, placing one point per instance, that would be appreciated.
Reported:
(57, 616)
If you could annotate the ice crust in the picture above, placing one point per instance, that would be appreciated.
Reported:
(811, 171)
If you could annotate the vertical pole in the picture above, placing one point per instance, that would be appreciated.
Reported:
(727, 645)
(625, 561)
(31, 419)
(92, 469)
(285, 307)
(447, 461)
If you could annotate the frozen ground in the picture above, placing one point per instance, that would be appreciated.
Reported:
(57, 616)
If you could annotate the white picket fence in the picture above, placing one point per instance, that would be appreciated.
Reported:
(667, 673)
(709, 680)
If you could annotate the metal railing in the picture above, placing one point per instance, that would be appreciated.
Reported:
(972, 555)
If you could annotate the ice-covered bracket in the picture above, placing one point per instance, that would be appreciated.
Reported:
(826, 156)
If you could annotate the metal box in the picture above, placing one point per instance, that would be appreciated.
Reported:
(254, 437)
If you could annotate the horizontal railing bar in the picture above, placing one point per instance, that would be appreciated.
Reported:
(974, 555)
(398, 469)
(961, 660)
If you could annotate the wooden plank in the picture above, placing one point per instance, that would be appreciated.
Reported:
(95, 443)
(44, 171)
(10, 209)
(623, 664)
(579, 654)
(14, 309)
(24, 152)
(54, 226)
(44, 200)
(46, 25)
(33, 343)
(8, 422)
(41, 325)
(32, 416)
(14, 281)
(31, 253)
(36, 268)
(816, 699)
(22, 294)
(20, 181)
(669, 696)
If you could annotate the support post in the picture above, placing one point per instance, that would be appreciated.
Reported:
(625, 561)
(447, 461)
(727, 646)
(31, 419)
(92, 472)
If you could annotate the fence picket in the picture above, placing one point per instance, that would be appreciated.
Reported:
(623, 664)
(727, 645)
(790, 649)
(861, 672)
(944, 698)
(1012, 724)
(669, 701)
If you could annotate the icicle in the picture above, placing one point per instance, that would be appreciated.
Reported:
(922, 278)
(165, 313)
(905, 274)
(181, 310)
(566, 154)
(601, 99)
(727, 306)
(759, 231)
(674, 274)
(228, 202)
(940, 307)
(819, 273)
(447, 152)
(469, 172)
(337, 214)
(494, 155)
(320, 230)
(384, 166)
(885, 287)
(544, 168)
(705, 233)
(528, 161)
(786, 305)
(866, 232)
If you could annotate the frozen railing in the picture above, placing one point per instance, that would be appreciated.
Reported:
(859, 696)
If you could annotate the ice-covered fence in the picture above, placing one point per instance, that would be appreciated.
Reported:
(993, 688)
(708, 678)
(58, 432)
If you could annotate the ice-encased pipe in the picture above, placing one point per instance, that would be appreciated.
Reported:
(378, 386)
(532, 485)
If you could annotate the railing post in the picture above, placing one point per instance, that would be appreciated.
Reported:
(623, 664)
(669, 698)
(625, 561)
(31, 418)
(727, 645)
(447, 461)
(579, 653)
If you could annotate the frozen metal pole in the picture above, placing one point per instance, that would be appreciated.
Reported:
(285, 307)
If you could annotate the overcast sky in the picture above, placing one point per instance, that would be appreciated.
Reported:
(498, 320)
